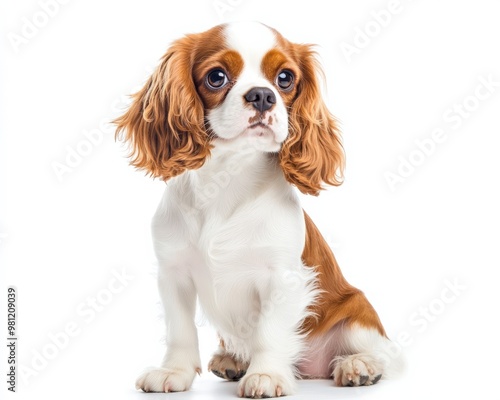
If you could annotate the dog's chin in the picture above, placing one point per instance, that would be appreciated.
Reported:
(262, 138)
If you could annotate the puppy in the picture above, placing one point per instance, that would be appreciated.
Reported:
(232, 120)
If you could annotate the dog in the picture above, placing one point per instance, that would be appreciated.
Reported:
(234, 122)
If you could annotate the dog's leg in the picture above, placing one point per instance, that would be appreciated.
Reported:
(346, 339)
(274, 340)
(182, 359)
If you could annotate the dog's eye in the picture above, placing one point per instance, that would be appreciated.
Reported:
(216, 79)
(285, 80)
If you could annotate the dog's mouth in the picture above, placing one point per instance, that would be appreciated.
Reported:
(259, 132)
(262, 136)
(261, 129)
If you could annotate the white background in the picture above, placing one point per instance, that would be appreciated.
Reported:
(62, 239)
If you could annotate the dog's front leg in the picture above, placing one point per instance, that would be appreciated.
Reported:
(274, 337)
(182, 359)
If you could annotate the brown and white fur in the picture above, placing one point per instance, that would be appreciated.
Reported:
(232, 120)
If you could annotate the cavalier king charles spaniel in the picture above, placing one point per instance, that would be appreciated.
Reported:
(232, 119)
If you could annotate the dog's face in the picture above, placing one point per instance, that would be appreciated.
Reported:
(235, 81)
(247, 86)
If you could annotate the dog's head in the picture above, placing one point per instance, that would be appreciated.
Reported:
(239, 80)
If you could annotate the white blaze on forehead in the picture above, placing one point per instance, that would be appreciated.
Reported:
(252, 40)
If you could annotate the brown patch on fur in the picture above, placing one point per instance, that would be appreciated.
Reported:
(270, 120)
(275, 61)
(256, 118)
(229, 61)
(312, 154)
(165, 124)
(338, 301)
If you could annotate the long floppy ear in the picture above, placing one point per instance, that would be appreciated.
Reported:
(313, 153)
(165, 122)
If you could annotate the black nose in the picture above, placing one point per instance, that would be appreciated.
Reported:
(262, 98)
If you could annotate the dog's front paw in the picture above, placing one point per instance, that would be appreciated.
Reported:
(165, 380)
(357, 370)
(258, 386)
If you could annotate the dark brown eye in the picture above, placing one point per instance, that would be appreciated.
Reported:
(285, 80)
(216, 79)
